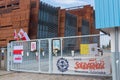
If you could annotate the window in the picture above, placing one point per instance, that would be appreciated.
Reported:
(15, 6)
(9, 5)
(33, 4)
(2, 7)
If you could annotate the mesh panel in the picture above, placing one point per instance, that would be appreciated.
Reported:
(74, 49)
(44, 56)
(29, 60)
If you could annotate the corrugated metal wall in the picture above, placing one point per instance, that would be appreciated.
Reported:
(107, 13)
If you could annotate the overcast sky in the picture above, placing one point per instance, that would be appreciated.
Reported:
(68, 3)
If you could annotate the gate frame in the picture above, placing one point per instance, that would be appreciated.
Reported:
(10, 48)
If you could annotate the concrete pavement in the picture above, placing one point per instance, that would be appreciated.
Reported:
(4, 75)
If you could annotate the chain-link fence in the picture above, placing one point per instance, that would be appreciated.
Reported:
(87, 55)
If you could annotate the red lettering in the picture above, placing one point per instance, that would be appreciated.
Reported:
(102, 66)
(93, 65)
(77, 65)
(18, 58)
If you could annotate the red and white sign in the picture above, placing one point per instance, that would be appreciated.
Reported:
(86, 65)
(18, 49)
(90, 66)
(33, 46)
(17, 58)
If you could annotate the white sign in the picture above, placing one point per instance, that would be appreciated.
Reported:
(33, 46)
(17, 58)
(85, 65)
(92, 65)
(20, 47)
(56, 44)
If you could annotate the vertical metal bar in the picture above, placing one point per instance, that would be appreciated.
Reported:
(5, 58)
(50, 56)
(61, 47)
(115, 57)
(8, 55)
(113, 67)
(117, 52)
(39, 56)
(11, 55)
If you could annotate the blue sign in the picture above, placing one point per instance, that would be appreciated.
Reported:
(62, 64)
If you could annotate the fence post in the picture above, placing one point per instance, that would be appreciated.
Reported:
(8, 51)
(61, 47)
(11, 55)
(39, 56)
(5, 58)
(50, 56)
(115, 54)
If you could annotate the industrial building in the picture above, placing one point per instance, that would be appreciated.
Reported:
(41, 20)
(17, 14)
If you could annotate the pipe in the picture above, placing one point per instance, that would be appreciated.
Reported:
(117, 53)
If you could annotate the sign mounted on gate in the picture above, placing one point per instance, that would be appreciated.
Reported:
(33, 46)
(56, 46)
(17, 59)
(62, 64)
(18, 50)
(84, 65)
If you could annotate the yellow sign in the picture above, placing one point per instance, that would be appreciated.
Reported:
(84, 49)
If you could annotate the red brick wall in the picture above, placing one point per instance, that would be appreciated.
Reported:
(62, 22)
(34, 18)
(13, 17)
(24, 16)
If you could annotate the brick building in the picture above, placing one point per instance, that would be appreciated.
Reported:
(41, 20)
(16, 14)
(85, 22)
(68, 24)
(76, 21)
(85, 19)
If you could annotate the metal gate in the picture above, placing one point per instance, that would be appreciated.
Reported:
(86, 55)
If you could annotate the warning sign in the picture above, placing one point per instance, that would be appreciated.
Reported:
(17, 59)
(84, 49)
